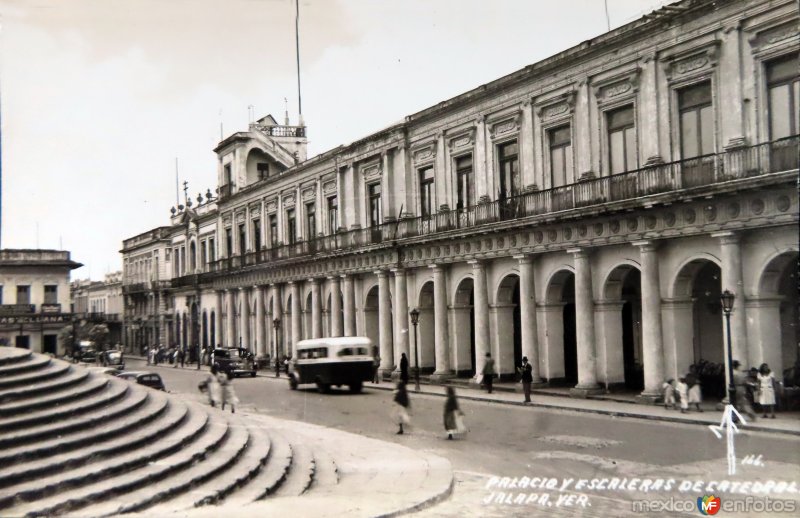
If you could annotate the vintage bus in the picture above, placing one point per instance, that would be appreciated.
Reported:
(333, 361)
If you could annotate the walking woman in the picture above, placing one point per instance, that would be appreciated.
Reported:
(766, 392)
(227, 392)
(453, 416)
(401, 406)
(210, 386)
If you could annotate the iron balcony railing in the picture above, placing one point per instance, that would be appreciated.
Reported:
(771, 157)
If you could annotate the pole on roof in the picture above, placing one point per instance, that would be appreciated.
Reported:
(297, 51)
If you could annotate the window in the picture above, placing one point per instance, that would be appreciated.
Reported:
(508, 160)
(374, 193)
(227, 178)
(263, 170)
(311, 220)
(696, 120)
(1, 294)
(426, 194)
(622, 140)
(466, 182)
(561, 168)
(256, 234)
(333, 214)
(291, 227)
(212, 250)
(23, 294)
(203, 253)
(229, 242)
(51, 294)
(167, 254)
(783, 83)
(242, 239)
(273, 230)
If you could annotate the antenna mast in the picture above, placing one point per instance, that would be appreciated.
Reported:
(297, 47)
(177, 196)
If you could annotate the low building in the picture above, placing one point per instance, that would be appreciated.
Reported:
(35, 298)
(100, 302)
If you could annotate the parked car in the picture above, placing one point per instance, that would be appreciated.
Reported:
(85, 352)
(146, 378)
(229, 362)
(113, 358)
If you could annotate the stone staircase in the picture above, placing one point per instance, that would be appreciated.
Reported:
(81, 443)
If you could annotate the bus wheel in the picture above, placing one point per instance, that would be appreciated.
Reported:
(292, 383)
(355, 388)
(323, 388)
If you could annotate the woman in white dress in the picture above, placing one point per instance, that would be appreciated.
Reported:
(766, 390)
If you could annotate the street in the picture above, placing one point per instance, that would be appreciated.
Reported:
(512, 441)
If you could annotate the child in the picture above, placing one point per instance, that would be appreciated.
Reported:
(695, 396)
(683, 393)
(668, 388)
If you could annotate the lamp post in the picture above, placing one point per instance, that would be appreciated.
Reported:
(415, 320)
(276, 323)
(727, 299)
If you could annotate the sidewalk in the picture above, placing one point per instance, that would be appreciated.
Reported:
(786, 423)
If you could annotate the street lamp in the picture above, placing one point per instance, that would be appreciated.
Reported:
(415, 320)
(727, 299)
(276, 323)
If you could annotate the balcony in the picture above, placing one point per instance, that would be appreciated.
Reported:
(17, 309)
(185, 281)
(137, 287)
(661, 179)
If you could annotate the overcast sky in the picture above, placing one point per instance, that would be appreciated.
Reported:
(100, 96)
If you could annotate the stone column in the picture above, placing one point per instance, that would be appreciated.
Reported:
(336, 307)
(230, 321)
(349, 306)
(652, 341)
(297, 316)
(277, 312)
(584, 325)
(731, 253)
(441, 338)
(730, 76)
(245, 319)
(316, 309)
(261, 335)
(401, 315)
(218, 321)
(385, 323)
(527, 309)
(648, 108)
(481, 314)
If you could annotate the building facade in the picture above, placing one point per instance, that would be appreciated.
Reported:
(100, 302)
(35, 298)
(585, 211)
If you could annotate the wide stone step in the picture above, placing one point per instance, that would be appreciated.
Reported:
(145, 413)
(137, 488)
(115, 392)
(29, 364)
(326, 472)
(50, 387)
(248, 465)
(84, 387)
(270, 477)
(177, 419)
(48, 372)
(11, 355)
(118, 409)
(301, 472)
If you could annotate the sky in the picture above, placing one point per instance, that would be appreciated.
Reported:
(100, 97)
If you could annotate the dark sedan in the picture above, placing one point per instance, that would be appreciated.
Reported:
(146, 378)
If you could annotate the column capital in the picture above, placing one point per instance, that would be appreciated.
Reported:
(437, 267)
(578, 252)
(727, 238)
(314, 280)
(523, 258)
(333, 278)
(398, 271)
(243, 288)
(646, 245)
(381, 273)
(477, 265)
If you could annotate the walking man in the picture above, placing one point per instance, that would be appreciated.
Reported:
(488, 372)
(527, 378)
(404, 369)
(741, 383)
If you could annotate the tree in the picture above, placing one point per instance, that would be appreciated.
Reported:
(66, 338)
(99, 335)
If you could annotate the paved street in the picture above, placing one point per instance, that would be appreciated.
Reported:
(509, 441)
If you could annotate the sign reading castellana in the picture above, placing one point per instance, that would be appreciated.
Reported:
(586, 211)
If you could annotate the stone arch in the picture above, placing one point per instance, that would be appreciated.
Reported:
(507, 324)
(192, 256)
(308, 323)
(681, 285)
(371, 307)
(620, 357)
(561, 347)
(256, 156)
(463, 328)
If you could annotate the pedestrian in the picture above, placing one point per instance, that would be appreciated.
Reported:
(376, 364)
(404, 369)
(277, 366)
(453, 416)
(182, 356)
(147, 354)
(227, 392)
(527, 378)
(683, 393)
(766, 390)
(740, 383)
(401, 406)
(488, 372)
(210, 386)
(668, 391)
(695, 395)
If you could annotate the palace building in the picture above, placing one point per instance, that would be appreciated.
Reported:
(586, 211)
